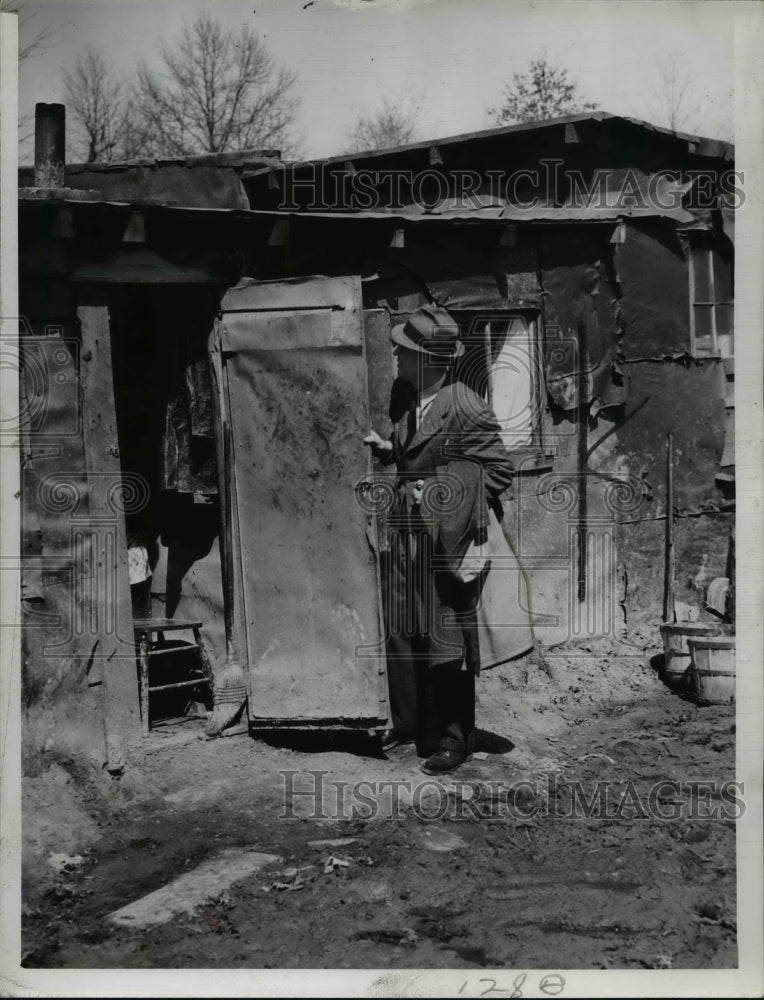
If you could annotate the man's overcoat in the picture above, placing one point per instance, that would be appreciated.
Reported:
(458, 454)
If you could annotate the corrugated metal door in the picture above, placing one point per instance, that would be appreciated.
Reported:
(295, 395)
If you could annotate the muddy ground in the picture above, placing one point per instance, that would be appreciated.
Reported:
(512, 879)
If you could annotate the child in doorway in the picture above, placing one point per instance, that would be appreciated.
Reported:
(138, 571)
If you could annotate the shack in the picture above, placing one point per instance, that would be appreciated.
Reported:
(589, 262)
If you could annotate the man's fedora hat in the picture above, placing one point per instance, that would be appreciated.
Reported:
(430, 330)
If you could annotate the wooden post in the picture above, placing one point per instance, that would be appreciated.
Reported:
(668, 577)
(730, 609)
(143, 660)
(110, 612)
(583, 458)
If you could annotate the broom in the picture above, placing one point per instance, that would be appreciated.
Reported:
(231, 686)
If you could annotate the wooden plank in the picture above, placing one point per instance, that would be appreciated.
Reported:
(379, 366)
(233, 584)
(295, 395)
(109, 612)
(185, 894)
(379, 376)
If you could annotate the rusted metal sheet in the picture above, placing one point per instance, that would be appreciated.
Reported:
(579, 289)
(689, 402)
(654, 276)
(295, 392)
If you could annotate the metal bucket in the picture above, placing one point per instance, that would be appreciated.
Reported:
(676, 659)
(713, 661)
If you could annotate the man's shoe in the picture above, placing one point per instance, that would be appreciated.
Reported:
(443, 761)
(392, 739)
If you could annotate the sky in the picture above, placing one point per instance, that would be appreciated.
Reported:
(455, 55)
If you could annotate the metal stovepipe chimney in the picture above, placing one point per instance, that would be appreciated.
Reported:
(49, 145)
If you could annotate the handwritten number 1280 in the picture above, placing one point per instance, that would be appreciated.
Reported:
(550, 985)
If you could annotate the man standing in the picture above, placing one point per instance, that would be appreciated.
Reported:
(451, 469)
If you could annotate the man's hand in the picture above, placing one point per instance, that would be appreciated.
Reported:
(379, 448)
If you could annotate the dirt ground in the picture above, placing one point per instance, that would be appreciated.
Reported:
(515, 880)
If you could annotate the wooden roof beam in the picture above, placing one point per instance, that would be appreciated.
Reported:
(135, 230)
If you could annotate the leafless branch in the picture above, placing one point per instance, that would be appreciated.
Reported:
(392, 123)
(215, 90)
(676, 100)
(29, 44)
(95, 103)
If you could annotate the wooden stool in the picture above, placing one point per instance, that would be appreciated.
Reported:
(144, 629)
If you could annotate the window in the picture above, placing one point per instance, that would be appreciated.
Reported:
(502, 364)
(711, 299)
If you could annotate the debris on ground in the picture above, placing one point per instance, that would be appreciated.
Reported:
(551, 878)
(333, 865)
(291, 880)
(336, 842)
(63, 863)
(293, 886)
(597, 756)
(404, 937)
(191, 890)
(437, 839)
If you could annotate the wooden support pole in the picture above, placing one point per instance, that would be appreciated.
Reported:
(730, 571)
(668, 570)
(105, 597)
(583, 458)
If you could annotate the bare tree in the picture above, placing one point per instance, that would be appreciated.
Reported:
(32, 40)
(216, 90)
(95, 101)
(134, 136)
(542, 91)
(392, 123)
(678, 100)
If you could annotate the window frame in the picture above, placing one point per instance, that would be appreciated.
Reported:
(705, 245)
(466, 318)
